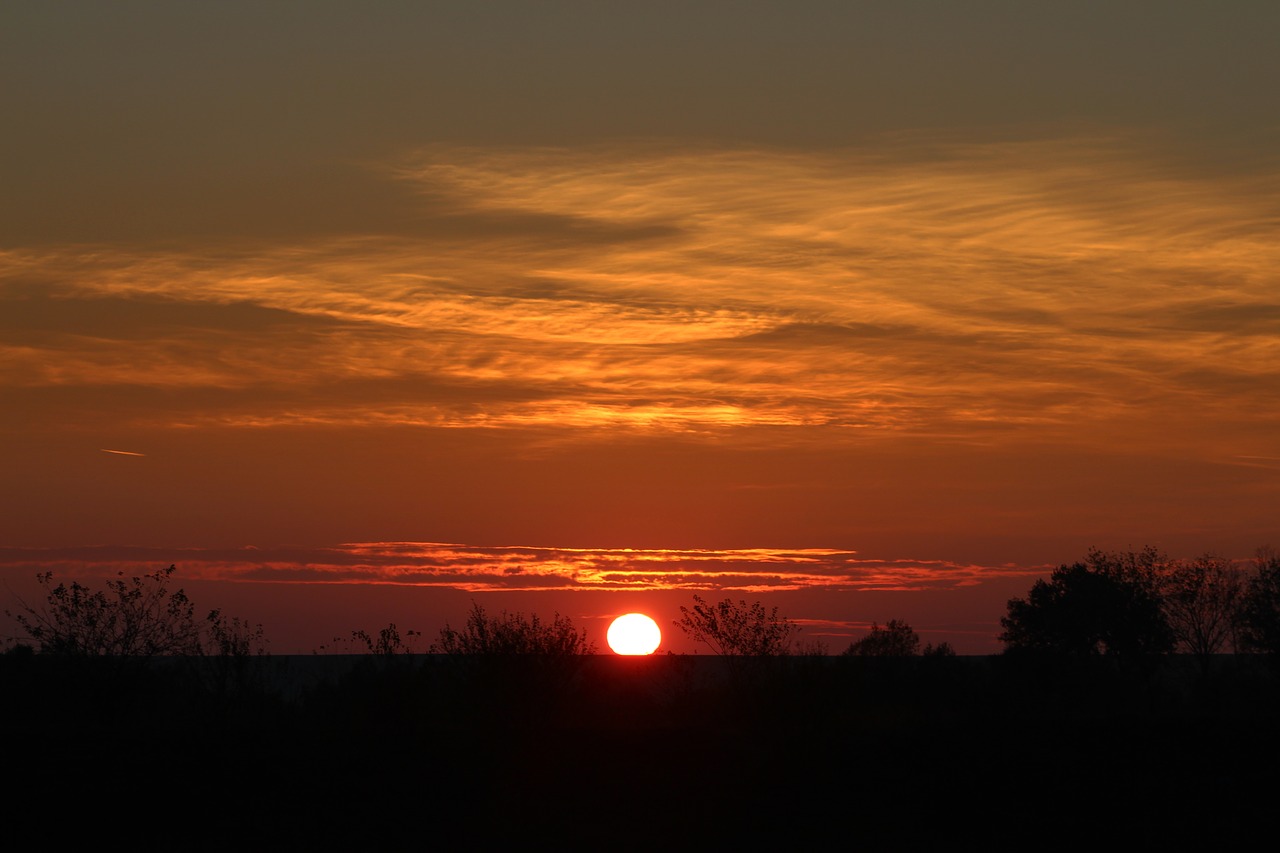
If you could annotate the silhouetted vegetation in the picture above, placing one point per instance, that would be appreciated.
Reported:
(1201, 600)
(134, 617)
(737, 629)
(1260, 606)
(512, 634)
(895, 639)
(515, 728)
(387, 642)
(340, 754)
(1142, 604)
(1109, 604)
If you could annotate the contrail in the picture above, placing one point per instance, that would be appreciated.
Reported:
(122, 452)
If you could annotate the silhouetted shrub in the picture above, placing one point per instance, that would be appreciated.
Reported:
(737, 629)
(895, 639)
(512, 634)
(135, 617)
(387, 643)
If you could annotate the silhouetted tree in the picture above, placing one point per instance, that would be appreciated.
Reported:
(1260, 608)
(232, 652)
(941, 650)
(1201, 600)
(232, 637)
(737, 629)
(1108, 604)
(388, 642)
(133, 617)
(512, 634)
(895, 639)
(511, 670)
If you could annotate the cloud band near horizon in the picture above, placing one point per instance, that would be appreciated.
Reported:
(521, 568)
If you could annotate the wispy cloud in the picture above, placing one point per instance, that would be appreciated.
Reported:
(1067, 287)
(515, 568)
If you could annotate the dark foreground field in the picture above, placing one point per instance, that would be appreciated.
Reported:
(615, 753)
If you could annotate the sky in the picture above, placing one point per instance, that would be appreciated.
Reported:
(864, 310)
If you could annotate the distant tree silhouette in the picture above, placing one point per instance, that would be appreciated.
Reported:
(232, 637)
(512, 634)
(894, 639)
(1201, 599)
(1109, 604)
(739, 629)
(1260, 608)
(388, 642)
(941, 650)
(133, 617)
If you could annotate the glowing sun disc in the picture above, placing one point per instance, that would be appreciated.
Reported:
(634, 634)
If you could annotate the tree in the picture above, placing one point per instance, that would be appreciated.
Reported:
(133, 617)
(1201, 601)
(512, 669)
(232, 652)
(1260, 607)
(512, 634)
(895, 639)
(1109, 604)
(387, 643)
(737, 629)
(941, 650)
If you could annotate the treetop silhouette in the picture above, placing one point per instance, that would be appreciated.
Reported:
(512, 634)
(737, 629)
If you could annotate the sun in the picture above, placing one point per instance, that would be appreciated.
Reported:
(634, 634)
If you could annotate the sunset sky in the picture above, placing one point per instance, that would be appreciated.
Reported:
(867, 310)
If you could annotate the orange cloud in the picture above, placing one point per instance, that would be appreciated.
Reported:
(1066, 288)
(520, 568)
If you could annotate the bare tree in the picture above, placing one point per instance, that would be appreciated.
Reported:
(386, 643)
(132, 617)
(737, 629)
(140, 617)
(1201, 600)
(1261, 608)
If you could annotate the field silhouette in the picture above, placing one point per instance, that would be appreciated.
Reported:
(366, 752)
(141, 723)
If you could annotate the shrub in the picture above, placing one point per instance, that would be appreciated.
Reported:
(132, 617)
(896, 639)
(737, 629)
(512, 634)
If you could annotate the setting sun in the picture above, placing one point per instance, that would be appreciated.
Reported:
(634, 634)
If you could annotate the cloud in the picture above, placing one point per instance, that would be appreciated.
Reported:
(514, 568)
(1072, 286)
(1254, 318)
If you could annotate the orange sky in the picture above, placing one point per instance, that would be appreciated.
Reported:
(932, 297)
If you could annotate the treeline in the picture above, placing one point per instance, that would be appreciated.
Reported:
(1142, 603)
(514, 731)
(1108, 625)
(393, 748)
(1130, 604)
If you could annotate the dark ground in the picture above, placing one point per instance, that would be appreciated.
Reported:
(615, 753)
